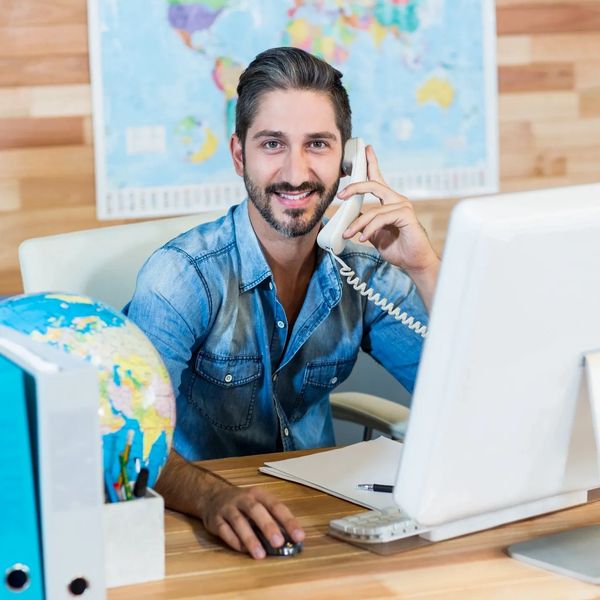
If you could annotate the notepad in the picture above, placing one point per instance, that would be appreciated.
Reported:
(337, 472)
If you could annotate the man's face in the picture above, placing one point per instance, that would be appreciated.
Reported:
(291, 160)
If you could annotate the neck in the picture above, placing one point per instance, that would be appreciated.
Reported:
(292, 262)
(293, 266)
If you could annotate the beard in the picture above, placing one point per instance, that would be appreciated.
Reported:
(298, 223)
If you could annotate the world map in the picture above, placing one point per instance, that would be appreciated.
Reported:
(420, 75)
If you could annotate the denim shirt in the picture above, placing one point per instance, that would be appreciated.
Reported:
(208, 302)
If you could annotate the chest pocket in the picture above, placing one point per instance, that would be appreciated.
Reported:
(320, 378)
(224, 388)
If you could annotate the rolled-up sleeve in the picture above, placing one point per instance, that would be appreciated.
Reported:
(387, 340)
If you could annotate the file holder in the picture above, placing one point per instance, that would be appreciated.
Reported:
(64, 432)
(134, 537)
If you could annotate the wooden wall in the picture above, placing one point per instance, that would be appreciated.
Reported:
(549, 111)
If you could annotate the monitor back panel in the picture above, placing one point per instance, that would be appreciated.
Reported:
(499, 414)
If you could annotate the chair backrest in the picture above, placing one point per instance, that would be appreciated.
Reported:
(102, 263)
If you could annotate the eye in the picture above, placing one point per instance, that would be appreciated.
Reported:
(272, 144)
(318, 144)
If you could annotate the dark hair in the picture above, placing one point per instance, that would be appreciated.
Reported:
(289, 68)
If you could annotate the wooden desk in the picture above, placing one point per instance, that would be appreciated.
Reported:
(475, 566)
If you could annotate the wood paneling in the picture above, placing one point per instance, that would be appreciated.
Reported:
(539, 77)
(48, 162)
(549, 113)
(43, 192)
(28, 133)
(56, 101)
(551, 17)
(43, 70)
(43, 40)
(25, 13)
(565, 47)
(589, 102)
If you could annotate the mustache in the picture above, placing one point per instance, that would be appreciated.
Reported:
(306, 186)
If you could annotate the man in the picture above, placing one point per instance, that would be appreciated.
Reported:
(253, 320)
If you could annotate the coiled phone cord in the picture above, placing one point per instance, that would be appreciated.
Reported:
(382, 303)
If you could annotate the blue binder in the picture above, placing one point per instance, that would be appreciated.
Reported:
(20, 548)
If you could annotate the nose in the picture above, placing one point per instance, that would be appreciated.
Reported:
(296, 168)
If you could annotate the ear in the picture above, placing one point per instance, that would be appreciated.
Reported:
(235, 147)
(342, 172)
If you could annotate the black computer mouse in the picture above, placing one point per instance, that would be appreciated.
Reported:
(289, 547)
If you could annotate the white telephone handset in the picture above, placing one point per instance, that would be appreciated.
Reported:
(354, 164)
(330, 237)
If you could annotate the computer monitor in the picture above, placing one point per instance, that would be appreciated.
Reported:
(500, 419)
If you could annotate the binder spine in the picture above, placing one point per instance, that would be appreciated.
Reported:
(71, 488)
(20, 559)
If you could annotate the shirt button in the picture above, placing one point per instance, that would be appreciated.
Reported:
(286, 432)
(333, 380)
(275, 377)
(270, 285)
(280, 324)
(228, 378)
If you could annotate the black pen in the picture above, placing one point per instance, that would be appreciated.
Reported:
(141, 483)
(375, 487)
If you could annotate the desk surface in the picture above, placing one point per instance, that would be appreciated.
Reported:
(474, 566)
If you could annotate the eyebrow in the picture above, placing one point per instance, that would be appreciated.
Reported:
(268, 133)
(319, 135)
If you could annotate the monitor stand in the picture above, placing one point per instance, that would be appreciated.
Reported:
(575, 553)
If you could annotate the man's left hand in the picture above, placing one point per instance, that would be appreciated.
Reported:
(394, 229)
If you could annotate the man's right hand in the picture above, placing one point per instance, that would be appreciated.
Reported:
(227, 512)
(226, 509)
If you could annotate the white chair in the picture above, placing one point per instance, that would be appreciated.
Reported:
(103, 263)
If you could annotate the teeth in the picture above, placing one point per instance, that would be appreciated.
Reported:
(294, 196)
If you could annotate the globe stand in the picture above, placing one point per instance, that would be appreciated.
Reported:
(575, 553)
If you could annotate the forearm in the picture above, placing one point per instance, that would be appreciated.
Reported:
(187, 488)
(426, 280)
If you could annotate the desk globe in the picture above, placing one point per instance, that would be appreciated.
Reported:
(135, 391)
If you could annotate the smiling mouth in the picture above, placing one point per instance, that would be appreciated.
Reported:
(288, 196)
(297, 199)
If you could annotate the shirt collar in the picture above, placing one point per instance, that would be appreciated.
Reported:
(330, 279)
(253, 266)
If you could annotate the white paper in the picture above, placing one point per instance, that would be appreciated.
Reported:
(337, 472)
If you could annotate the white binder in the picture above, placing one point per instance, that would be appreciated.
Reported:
(67, 455)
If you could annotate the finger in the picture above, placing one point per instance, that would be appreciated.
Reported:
(226, 533)
(242, 529)
(364, 219)
(262, 518)
(399, 219)
(283, 515)
(385, 194)
(373, 172)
